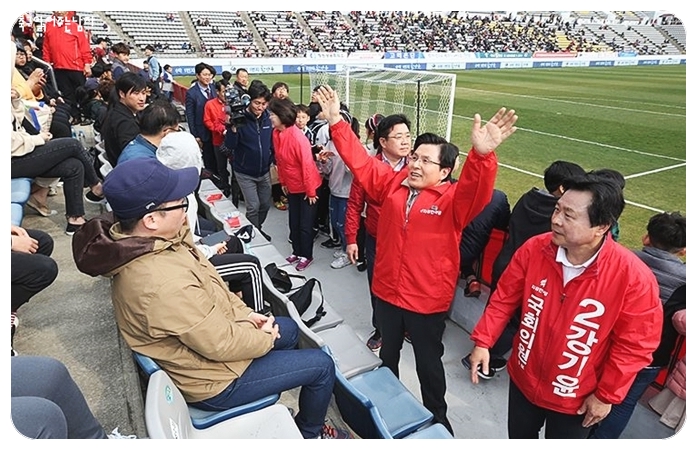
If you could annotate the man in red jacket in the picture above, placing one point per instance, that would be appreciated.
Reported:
(591, 317)
(422, 215)
(67, 49)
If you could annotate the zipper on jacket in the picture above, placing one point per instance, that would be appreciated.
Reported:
(261, 150)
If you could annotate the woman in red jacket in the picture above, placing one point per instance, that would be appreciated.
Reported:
(299, 178)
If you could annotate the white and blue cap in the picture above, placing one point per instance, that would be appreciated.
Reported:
(135, 187)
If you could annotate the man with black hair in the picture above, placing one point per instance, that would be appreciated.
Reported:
(157, 120)
(590, 318)
(120, 125)
(531, 215)
(421, 217)
(252, 152)
(241, 80)
(196, 97)
(122, 55)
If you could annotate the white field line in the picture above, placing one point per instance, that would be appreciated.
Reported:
(598, 144)
(573, 102)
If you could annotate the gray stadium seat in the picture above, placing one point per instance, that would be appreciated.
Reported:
(167, 417)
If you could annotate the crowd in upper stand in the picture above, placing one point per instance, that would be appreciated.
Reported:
(289, 34)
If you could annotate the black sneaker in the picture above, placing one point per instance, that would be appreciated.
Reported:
(374, 341)
(362, 266)
(268, 238)
(331, 243)
(71, 228)
(91, 197)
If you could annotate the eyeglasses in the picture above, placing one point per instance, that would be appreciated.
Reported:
(400, 137)
(184, 206)
(424, 160)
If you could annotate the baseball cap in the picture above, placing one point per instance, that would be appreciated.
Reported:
(135, 187)
(92, 84)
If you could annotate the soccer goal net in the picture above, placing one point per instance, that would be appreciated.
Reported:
(426, 98)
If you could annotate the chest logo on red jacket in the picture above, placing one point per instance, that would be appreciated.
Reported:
(433, 211)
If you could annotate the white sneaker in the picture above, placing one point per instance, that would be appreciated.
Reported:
(337, 254)
(116, 435)
(340, 262)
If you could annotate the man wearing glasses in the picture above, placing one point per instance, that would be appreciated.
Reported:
(421, 221)
(171, 305)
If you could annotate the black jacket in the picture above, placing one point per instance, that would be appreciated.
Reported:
(531, 215)
(120, 126)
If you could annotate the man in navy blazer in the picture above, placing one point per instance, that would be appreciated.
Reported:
(196, 97)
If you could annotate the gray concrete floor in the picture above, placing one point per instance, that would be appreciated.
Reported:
(72, 320)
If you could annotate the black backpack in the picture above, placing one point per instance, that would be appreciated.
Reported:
(302, 299)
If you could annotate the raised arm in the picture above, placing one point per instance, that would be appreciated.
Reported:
(485, 139)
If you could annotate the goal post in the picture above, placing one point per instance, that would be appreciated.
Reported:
(426, 98)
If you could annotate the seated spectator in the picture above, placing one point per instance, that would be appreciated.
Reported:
(47, 404)
(157, 120)
(218, 351)
(242, 272)
(31, 266)
(119, 64)
(120, 125)
(41, 156)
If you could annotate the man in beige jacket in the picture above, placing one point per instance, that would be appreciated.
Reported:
(171, 304)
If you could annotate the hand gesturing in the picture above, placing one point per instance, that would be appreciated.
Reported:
(485, 139)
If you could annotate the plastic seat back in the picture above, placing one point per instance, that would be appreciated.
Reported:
(201, 419)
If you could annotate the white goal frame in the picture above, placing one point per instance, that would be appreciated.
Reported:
(426, 98)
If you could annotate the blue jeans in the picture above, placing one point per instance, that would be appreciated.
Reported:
(612, 426)
(337, 214)
(285, 367)
(257, 197)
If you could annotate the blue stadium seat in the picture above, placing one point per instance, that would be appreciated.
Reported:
(376, 405)
(201, 419)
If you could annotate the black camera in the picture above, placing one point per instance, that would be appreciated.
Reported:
(235, 105)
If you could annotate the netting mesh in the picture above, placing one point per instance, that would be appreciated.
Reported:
(426, 98)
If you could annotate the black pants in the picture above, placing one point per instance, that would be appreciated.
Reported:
(301, 217)
(323, 194)
(68, 81)
(221, 168)
(360, 240)
(426, 331)
(242, 272)
(63, 158)
(525, 420)
(32, 272)
(210, 160)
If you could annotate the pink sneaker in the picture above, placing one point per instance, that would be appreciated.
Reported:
(302, 265)
(292, 259)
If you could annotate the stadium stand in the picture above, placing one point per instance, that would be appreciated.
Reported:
(289, 34)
